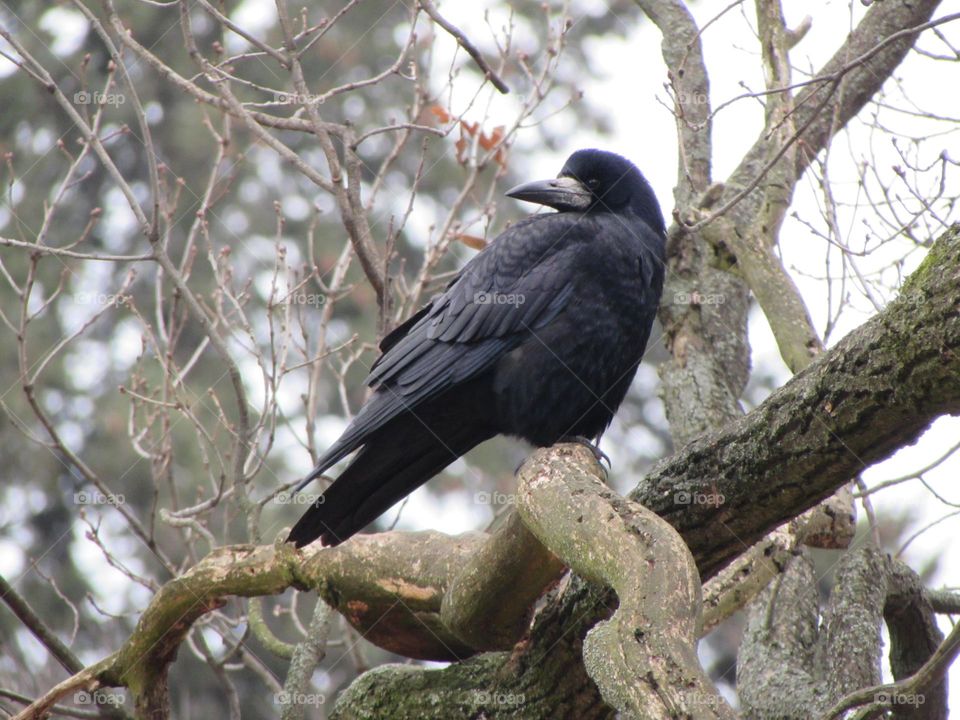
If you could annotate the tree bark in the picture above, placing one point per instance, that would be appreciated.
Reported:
(792, 667)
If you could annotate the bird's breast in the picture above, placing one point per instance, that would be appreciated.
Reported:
(569, 377)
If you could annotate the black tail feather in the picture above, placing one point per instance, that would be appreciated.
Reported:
(396, 460)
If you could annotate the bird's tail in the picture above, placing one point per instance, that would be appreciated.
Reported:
(394, 461)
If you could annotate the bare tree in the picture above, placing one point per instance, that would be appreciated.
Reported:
(167, 283)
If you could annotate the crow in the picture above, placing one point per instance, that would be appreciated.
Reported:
(538, 336)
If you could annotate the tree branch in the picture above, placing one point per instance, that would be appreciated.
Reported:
(474, 606)
(643, 658)
(464, 42)
(860, 83)
(19, 607)
(775, 664)
(876, 391)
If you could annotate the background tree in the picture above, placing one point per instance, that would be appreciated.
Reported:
(211, 213)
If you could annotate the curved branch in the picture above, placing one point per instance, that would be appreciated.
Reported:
(474, 606)
(388, 586)
(643, 658)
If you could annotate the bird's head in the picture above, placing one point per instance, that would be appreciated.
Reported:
(596, 181)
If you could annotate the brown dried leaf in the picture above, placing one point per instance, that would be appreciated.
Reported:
(440, 114)
(471, 241)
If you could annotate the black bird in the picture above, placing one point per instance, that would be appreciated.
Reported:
(538, 336)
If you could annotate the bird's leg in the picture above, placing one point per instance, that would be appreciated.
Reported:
(599, 455)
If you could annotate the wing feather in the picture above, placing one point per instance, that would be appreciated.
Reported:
(516, 285)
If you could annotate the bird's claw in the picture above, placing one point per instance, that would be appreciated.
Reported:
(599, 455)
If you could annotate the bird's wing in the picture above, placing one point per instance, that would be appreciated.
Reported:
(516, 285)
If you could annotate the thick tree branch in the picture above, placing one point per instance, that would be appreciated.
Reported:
(914, 640)
(775, 666)
(475, 607)
(743, 579)
(643, 658)
(849, 645)
(753, 234)
(710, 382)
(789, 667)
(944, 601)
(388, 586)
(706, 373)
(874, 392)
(905, 692)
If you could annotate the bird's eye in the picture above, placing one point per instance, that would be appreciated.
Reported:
(592, 183)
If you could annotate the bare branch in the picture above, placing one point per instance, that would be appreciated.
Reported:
(465, 43)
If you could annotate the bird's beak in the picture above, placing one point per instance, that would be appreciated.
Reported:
(563, 193)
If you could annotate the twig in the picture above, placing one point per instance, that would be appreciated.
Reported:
(464, 42)
(933, 668)
(70, 662)
(60, 252)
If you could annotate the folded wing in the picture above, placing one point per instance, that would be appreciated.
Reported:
(518, 284)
